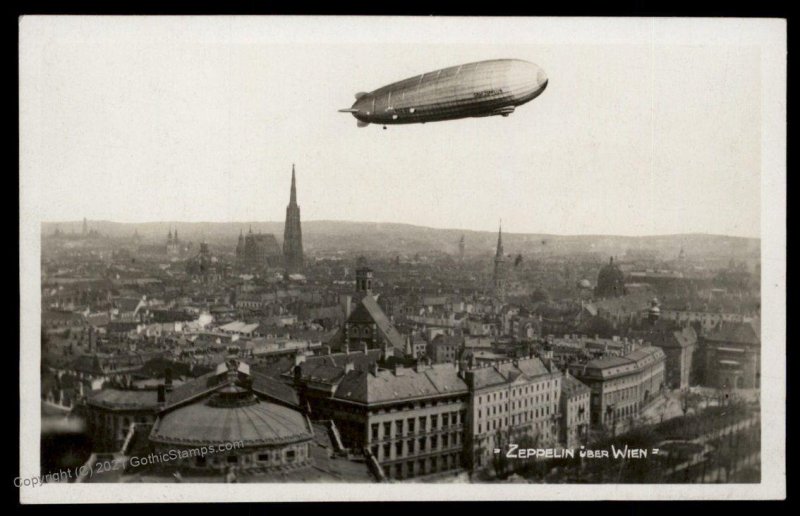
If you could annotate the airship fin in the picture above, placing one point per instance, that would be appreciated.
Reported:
(362, 124)
(360, 94)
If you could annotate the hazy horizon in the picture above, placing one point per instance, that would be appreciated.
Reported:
(367, 222)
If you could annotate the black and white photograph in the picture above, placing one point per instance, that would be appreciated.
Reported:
(419, 258)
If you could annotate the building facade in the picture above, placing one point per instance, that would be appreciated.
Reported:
(575, 410)
(733, 356)
(621, 386)
(510, 400)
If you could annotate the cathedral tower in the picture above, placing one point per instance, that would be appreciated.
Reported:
(499, 277)
(292, 236)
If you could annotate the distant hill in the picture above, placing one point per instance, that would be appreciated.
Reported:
(406, 239)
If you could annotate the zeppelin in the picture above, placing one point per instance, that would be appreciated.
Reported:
(485, 88)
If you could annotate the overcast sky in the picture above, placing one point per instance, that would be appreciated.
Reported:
(200, 119)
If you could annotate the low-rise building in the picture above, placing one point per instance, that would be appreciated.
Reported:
(621, 386)
(575, 409)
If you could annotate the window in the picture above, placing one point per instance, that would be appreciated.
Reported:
(387, 451)
(410, 444)
(434, 422)
(433, 442)
(233, 459)
(290, 455)
(398, 427)
(445, 439)
(422, 422)
(374, 431)
(411, 426)
(387, 430)
(422, 443)
(398, 448)
(445, 420)
(262, 457)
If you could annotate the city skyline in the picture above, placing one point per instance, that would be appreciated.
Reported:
(153, 127)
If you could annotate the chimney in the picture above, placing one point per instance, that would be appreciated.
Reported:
(162, 396)
(349, 366)
(373, 368)
(469, 379)
(364, 347)
(299, 358)
(168, 379)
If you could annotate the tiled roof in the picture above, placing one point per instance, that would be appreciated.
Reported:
(737, 333)
(401, 384)
(571, 386)
(123, 399)
(275, 389)
(369, 311)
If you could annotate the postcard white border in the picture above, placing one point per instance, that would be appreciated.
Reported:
(768, 34)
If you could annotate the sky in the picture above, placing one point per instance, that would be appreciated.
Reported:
(200, 119)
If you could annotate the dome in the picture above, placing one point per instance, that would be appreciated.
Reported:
(254, 423)
(610, 281)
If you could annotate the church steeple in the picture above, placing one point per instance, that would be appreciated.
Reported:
(499, 276)
(292, 233)
(499, 253)
(293, 194)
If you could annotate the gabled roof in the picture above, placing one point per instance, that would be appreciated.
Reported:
(368, 311)
(571, 386)
(331, 368)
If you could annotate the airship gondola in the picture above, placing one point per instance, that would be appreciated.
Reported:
(484, 88)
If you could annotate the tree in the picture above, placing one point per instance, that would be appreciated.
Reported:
(689, 401)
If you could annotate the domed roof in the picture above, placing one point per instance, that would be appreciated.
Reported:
(610, 280)
(259, 423)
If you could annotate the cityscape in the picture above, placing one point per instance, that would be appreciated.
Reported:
(328, 351)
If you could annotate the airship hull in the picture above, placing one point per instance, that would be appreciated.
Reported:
(485, 88)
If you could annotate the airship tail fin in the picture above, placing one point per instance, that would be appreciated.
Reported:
(360, 94)
(362, 124)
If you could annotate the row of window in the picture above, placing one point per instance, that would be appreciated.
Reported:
(274, 458)
(528, 389)
(538, 412)
(415, 468)
(410, 425)
(518, 419)
(412, 446)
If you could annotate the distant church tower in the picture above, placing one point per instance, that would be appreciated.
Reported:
(240, 248)
(499, 277)
(292, 236)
